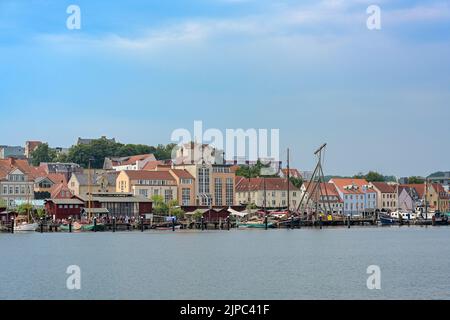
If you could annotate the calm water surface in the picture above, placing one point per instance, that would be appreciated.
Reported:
(242, 264)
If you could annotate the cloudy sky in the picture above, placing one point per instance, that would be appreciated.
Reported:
(380, 98)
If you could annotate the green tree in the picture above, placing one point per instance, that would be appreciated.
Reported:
(416, 180)
(24, 208)
(3, 203)
(159, 207)
(197, 215)
(42, 154)
(297, 182)
(373, 176)
(41, 213)
(252, 171)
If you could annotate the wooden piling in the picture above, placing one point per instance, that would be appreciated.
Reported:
(173, 224)
(142, 223)
(265, 223)
(42, 226)
(203, 223)
(95, 224)
(12, 225)
(114, 224)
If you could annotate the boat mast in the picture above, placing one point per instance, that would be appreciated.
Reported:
(288, 185)
(89, 189)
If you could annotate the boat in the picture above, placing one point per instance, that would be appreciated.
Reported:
(256, 225)
(167, 228)
(26, 227)
(90, 227)
(439, 219)
(386, 219)
(75, 227)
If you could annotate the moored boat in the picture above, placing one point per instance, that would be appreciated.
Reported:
(26, 227)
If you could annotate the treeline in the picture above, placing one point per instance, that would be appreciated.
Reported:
(98, 150)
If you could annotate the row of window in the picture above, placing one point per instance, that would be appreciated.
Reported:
(155, 182)
(361, 197)
(15, 190)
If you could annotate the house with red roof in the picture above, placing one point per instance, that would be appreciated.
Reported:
(323, 196)
(136, 162)
(16, 180)
(267, 192)
(387, 198)
(358, 195)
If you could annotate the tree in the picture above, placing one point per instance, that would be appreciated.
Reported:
(3, 203)
(253, 171)
(41, 213)
(297, 182)
(42, 154)
(416, 180)
(159, 207)
(24, 208)
(197, 214)
(373, 176)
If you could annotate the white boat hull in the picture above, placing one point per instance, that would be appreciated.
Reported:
(26, 227)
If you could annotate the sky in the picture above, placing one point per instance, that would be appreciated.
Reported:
(136, 72)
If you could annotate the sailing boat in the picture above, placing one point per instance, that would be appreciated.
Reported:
(25, 225)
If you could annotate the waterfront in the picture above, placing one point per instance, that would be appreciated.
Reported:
(304, 263)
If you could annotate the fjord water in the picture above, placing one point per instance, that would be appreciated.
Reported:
(238, 264)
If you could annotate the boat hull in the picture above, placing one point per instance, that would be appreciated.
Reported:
(26, 227)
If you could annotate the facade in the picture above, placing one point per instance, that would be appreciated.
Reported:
(186, 187)
(325, 199)
(267, 192)
(66, 169)
(63, 208)
(293, 173)
(118, 204)
(387, 198)
(359, 197)
(101, 181)
(12, 152)
(214, 183)
(136, 162)
(409, 198)
(148, 184)
(16, 181)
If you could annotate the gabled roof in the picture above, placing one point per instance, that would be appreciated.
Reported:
(182, 174)
(384, 187)
(149, 175)
(257, 184)
(342, 184)
(325, 189)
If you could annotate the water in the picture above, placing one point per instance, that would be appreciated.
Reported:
(240, 264)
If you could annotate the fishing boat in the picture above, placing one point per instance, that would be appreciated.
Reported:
(387, 219)
(24, 226)
(439, 219)
(256, 225)
(90, 227)
(177, 227)
(75, 227)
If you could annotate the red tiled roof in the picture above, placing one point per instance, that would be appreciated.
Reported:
(384, 187)
(293, 173)
(149, 175)
(257, 184)
(341, 183)
(420, 188)
(134, 159)
(326, 188)
(10, 164)
(182, 174)
(152, 165)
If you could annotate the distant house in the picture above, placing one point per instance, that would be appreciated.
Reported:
(148, 183)
(101, 181)
(63, 208)
(16, 180)
(66, 169)
(329, 197)
(136, 162)
(87, 141)
(267, 192)
(387, 199)
(358, 195)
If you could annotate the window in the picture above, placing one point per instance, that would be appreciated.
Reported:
(218, 191)
(229, 192)
(143, 192)
(186, 181)
(168, 195)
(185, 196)
(203, 180)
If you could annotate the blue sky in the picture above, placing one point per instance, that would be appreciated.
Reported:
(381, 99)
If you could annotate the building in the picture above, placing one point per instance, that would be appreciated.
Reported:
(186, 187)
(148, 184)
(89, 141)
(442, 178)
(410, 197)
(136, 162)
(101, 181)
(30, 146)
(63, 208)
(16, 181)
(359, 197)
(119, 204)
(267, 192)
(387, 198)
(67, 169)
(12, 152)
(322, 200)
(43, 184)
